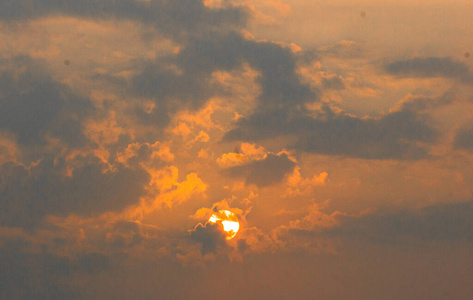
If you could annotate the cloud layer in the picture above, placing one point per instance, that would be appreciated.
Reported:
(125, 124)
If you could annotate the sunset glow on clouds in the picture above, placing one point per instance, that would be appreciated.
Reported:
(339, 133)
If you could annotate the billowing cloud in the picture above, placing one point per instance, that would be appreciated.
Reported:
(245, 154)
(299, 185)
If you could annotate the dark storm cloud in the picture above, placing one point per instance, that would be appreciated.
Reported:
(27, 195)
(210, 236)
(280, 111)
(93, 262)
(263, 172)
(188, 22)
(446, 222)
(183, 80)
(207, 44)
(26, 274)
(169, 91)
(431, 67)
(177, 18)
(269, 123)
(394, 136)
(464, 139)
(281, 87)
(34, 106)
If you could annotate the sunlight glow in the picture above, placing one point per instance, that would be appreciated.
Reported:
(228, 220)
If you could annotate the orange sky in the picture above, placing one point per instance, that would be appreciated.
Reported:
(339, 133)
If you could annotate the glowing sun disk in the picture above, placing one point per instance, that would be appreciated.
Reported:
(229, 222)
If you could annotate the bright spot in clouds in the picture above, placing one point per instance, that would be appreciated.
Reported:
(228, 220)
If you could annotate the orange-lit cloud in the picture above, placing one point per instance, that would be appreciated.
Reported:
(338, 133)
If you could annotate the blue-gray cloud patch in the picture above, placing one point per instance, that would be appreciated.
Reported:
(263, 172)
(29, 194)
(210, 236)
(33, 106)
(393, 136)
(281, 87)
(464, 139)
(446, 222)
(177, 19)
(428, 67)
(333, 83)
(26, 274)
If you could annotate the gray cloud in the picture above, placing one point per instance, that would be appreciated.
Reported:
(34, 106)
(333, 83)
(344, 49)
(464, 139)
(188, 22)
(125, 234)
(394, 136)
(431, 67)
(280, 113)
(446, 222)
(27, 195)
(264, 172)
(177, 19)
(281, 87)
(207, 45)
(26, 275)
(210, 236)
(423, 103)
(93, 262)
(242, 245)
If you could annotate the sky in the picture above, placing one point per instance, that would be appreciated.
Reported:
(339, 133)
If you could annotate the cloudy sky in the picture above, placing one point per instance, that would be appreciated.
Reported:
(339, 132)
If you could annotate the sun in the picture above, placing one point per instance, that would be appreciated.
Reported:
(228, 220)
